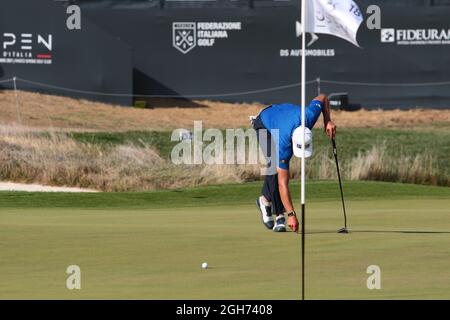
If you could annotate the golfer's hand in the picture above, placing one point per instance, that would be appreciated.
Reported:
(293, 223)
(330, 129)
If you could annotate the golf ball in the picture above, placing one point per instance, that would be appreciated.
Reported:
(204, 265)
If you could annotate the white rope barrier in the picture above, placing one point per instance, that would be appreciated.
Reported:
(318, 81)
(7, 80)
(217, 95)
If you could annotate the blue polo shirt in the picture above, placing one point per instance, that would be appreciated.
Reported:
(286, 118)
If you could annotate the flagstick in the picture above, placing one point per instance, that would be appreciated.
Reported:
(303, 101)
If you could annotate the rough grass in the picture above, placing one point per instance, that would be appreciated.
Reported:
(139, 161)
(377, 165)
(57, 159)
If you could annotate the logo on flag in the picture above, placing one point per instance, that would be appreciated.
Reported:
(184, 36)
(340, 18)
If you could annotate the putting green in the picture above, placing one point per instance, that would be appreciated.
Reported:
(152, 252)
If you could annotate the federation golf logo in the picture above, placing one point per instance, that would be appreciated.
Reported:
(26, 48)
(188, 35)
(387, 35)
(184, 36)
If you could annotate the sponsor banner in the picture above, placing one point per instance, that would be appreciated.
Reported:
(36, 45)
(188, 35)
(26, 48)
(416, 36)
(236, 54)
(242, 54)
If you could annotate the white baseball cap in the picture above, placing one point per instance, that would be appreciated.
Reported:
(297, 139)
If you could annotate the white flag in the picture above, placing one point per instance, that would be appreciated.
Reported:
(340, 18)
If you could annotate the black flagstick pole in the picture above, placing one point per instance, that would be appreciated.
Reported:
(303, 251)
(303, 102)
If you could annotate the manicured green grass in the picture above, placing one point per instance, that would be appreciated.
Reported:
(238, 194)
(151, 245)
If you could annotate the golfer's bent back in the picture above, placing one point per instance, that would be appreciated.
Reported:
(281, 127)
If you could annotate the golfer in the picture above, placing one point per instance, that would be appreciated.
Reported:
(282, 128)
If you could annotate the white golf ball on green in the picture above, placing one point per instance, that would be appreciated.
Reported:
(205, 265)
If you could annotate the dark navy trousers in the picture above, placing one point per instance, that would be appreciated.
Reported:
(270, 187)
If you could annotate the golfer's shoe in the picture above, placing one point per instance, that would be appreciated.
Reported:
(266, 214)
(280, 224)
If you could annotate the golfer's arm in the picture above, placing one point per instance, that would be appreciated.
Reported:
(283, 187)
(326, 110)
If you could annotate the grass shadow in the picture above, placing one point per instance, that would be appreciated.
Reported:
(382, 231)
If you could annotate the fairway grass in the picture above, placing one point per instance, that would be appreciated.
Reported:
(151, 245)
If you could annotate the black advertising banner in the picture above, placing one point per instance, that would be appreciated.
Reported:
(251, 53)
(248, 51)
(227, 54)
(45, 56)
